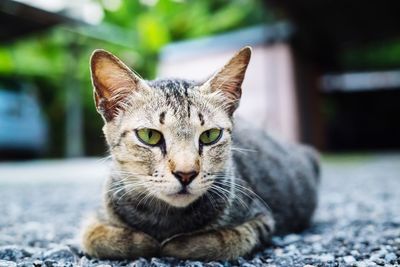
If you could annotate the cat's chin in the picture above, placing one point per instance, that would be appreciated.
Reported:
(179, 200)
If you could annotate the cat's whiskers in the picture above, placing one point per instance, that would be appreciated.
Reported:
(241, 201)
(232, 182)
(149, 194)
(210, 187)
(225, 194)
(152, 193)
(104, 159)
(231, 195)
(215, 177)
(211, 199)
(142, 195)
(116, 189)
(219, 197)
(116, 186)
(125, 182)
(158, 207)
(246, 192)
(137, 193)
(128, 178)
(122, 172)
(211, 183)
(130, 188)
(216, 192)
(242, 150)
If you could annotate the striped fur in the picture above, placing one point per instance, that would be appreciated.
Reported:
(248, 186)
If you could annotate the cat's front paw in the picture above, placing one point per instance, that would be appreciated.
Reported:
(145, 245)
(195, 246)
(224, 244)
(220, 244)
(106, 241)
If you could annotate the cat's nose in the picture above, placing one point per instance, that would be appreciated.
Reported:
(185, 178)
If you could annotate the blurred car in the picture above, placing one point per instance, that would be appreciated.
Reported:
(23, 129)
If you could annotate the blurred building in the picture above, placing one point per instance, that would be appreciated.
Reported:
(347, 57)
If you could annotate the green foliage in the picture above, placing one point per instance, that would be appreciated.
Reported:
(380, 55)
(136, 32)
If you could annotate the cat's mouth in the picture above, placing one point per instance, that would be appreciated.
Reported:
(181, 198)
(183, 191)
(181, 195)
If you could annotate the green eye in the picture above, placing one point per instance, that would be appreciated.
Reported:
(211, 136)
(149, 136)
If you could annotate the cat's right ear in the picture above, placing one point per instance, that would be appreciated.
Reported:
(228, 80)
(113, 81)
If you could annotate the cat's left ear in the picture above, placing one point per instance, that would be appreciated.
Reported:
(113, 82)
(229, 79)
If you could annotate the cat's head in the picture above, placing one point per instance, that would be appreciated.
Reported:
(170, 139)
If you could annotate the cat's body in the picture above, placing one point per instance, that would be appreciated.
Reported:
(187, 198)
(284, 176)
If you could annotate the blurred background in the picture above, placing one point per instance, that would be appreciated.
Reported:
(326, 73)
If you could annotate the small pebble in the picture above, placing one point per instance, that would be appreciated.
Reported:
(60, 253)
(141, 262)
(4, 263)
(156, 262)
(380, 262)
(390, 257)
(13, 253)
(50, 263)
(195, 264)
(313, 238)
(291, 238)
(349, 259)
(326, 257)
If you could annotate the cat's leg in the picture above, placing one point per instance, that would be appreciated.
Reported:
(105, 241)
(221, 244)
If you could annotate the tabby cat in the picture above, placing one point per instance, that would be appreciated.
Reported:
(185, 182)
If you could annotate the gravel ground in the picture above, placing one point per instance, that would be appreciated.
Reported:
(357, 222)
